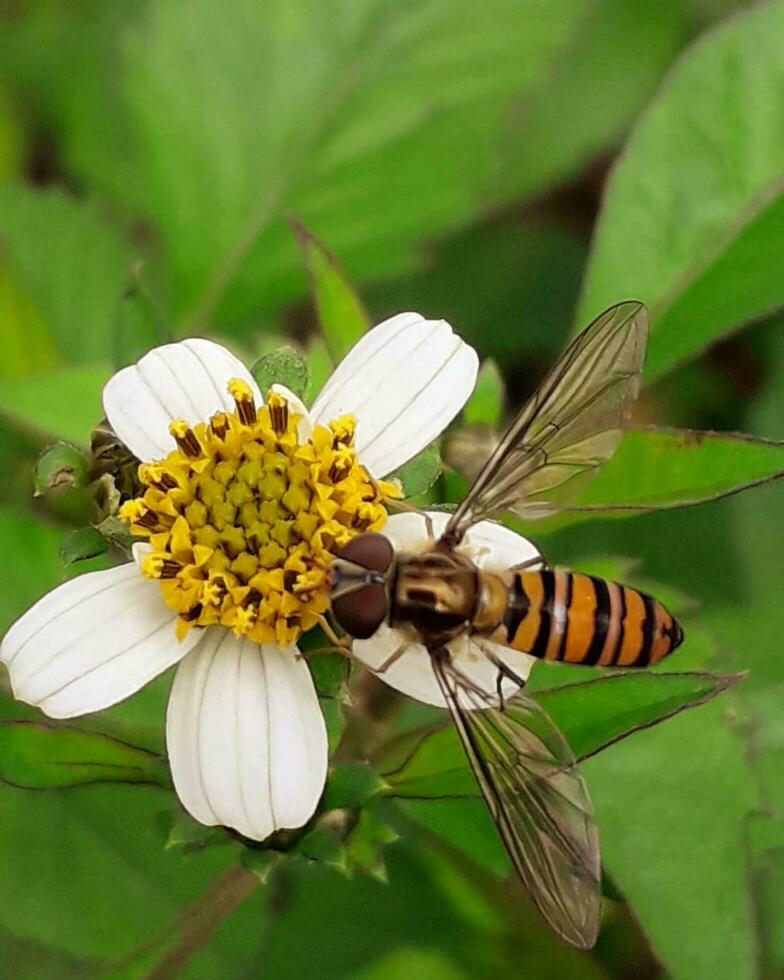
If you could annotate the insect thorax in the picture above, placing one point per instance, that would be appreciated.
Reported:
(437, 594)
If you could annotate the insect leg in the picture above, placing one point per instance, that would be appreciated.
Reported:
(529, 563)
(392, 658)
(409, 509)
(504, 671)
(342, 643)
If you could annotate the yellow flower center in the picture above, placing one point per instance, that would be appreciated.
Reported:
(243, 518)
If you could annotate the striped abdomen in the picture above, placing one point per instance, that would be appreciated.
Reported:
(580, 619)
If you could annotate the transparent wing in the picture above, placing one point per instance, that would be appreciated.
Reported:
(537, 798)
(570, 426)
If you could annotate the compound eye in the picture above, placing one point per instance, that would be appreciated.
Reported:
(361, 612)
(372, 551)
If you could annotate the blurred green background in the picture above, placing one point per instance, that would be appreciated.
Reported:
(513, 166)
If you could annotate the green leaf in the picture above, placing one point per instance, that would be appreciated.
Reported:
(694, 211)
(82, 544)
(401, 964)
(320, 366)
(141, 322)
(84, 870)
(486, 404)
(376, 169)
(285, 366)
(20, 448)
(672, 806)
(27, 343)
(72, 265)
(12, 140)
(655, 469)
(597, 86)
(65, 402)
(328, 670)
(420, 473)
(38, 756)
(31, 548)
(749, 621)
(591, 714)
(351, 785)
(42, 44)
(342, 317)
(600, 712)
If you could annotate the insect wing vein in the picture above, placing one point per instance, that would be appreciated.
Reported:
(537, 798)
(570, 426)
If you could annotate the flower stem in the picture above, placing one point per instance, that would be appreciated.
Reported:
(195, 926)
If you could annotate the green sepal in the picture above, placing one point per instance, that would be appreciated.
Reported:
(366, 844)
(60, 467)
(261, 861)
(185, 834)
(351, 785)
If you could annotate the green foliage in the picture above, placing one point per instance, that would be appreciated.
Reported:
(66, 401)
(341, 315)
(82, 544)
(71, 264)
(150, 155)
(592, 715)
(486, 404)
(43, 757)
(374, 169)
(598, 87)
(28, 344)
(695, 206)
(420, 473)
(687, 784)
(660, 469)
(351, 786)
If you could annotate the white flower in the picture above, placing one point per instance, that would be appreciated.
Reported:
(490, 546)
(246, 739)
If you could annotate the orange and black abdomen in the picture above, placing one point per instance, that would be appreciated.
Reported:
(581, 619)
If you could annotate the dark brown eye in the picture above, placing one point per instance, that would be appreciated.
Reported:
(370, 550)
(362, 611)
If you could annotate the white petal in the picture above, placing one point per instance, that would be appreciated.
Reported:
(413, 675)
(92, 642)
(492, 547)
(404, 381)
(487, 544)
(247, 741)
(187, 381)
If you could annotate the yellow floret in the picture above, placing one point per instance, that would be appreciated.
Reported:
(243, 518)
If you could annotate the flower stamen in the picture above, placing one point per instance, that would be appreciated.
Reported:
(185, 438)
(243, 517)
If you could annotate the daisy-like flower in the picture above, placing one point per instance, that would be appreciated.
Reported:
(490, 546)
(243, 503)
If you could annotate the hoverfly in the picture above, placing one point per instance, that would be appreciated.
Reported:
(525, 770)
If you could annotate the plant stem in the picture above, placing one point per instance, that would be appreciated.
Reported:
(200, 921)
(195, 926)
